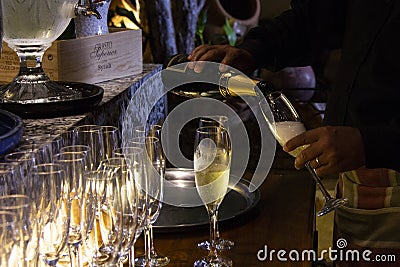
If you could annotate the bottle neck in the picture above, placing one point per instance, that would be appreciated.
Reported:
(233, 85)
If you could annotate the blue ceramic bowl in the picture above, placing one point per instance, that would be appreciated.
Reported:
(11, 128)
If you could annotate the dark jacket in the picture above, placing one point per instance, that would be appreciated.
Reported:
(366, 93)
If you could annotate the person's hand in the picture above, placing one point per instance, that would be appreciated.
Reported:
(332, 149)
(225, 54)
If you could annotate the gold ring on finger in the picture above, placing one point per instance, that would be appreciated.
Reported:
(317, 161)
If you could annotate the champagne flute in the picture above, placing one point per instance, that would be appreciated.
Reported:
(134, 159)
(26, 233)
(80, 149)
(104, 241)
(53, 210)
(147, 130)
(41, 152)
(285, 123)
(154, 131)
(139, 131)
(8, 239)
(154, 162)
(129, 197)
(23, 163)
(214, 120)
(10, 180)
(48, 142)
(212, 162)
(111, 139)
(218, 121)
(81, 216)
(67, 137)
(56, 144)
(92, 136)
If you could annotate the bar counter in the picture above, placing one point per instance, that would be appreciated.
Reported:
(283, 219)
(116, 96)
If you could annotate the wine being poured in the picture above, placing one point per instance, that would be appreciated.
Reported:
(285, 123)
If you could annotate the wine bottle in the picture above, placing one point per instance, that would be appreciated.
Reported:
(230, 84)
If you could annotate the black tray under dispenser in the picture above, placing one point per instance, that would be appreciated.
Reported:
(91, 97)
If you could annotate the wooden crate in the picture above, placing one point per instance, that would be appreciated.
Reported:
(90, 60)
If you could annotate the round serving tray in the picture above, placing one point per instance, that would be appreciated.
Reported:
(91, 97)
(237, 202)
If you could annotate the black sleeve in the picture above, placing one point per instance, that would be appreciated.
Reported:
(298, 35)
(382, 146)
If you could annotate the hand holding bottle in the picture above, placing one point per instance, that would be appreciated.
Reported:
(227, 55)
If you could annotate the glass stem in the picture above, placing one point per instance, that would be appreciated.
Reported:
(31, 64)
(318, 181)
(152, 250)
(131, 259)
(24, 250)
(147, 243)
(217, 237)
(213, 217)
(74, 251)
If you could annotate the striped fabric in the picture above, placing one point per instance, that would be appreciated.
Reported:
(371, 188)
(371, 219)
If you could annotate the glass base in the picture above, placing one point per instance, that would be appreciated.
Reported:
(22, 92)
(331, 205)
(222, 244)
(156, 260)
(213, 261)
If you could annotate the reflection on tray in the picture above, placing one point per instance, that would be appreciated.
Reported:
(237, 202)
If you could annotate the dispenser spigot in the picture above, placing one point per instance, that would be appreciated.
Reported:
(88, 8)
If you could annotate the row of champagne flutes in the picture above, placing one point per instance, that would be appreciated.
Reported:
(71, 196)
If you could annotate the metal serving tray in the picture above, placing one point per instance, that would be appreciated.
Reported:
(91, 97)
(238, 201)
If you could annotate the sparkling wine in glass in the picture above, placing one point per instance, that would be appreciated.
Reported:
(216, 120)
(285, 123)
(212, 162)
(29, 28)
